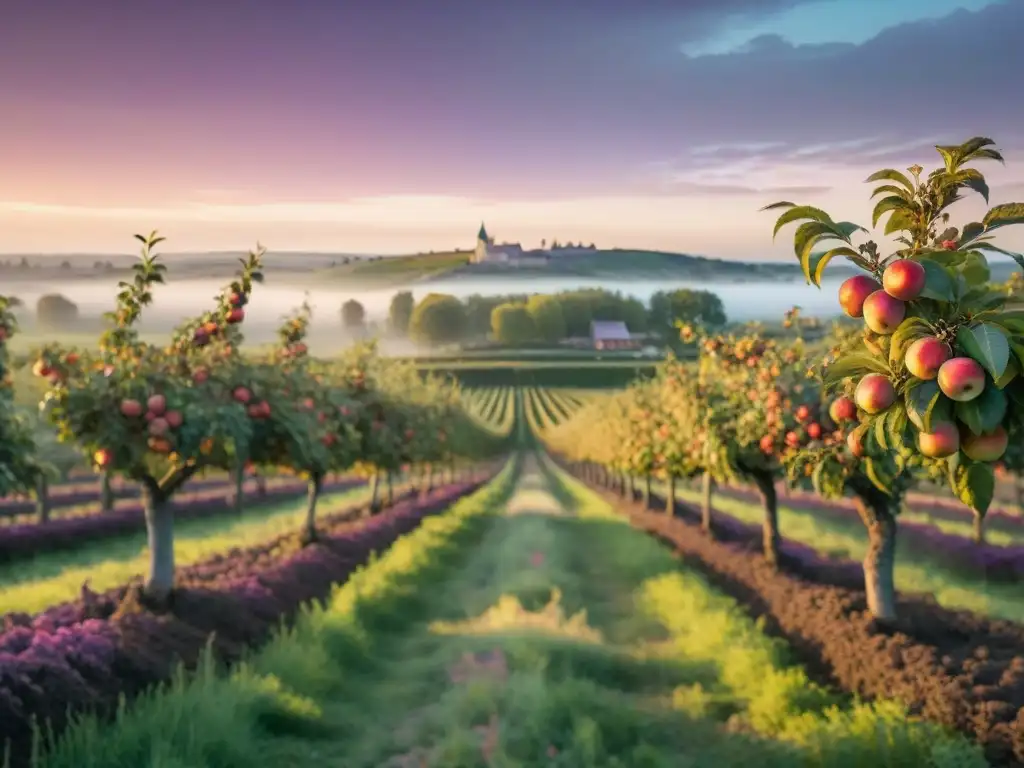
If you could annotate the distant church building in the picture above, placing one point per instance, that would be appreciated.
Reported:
(487, 251)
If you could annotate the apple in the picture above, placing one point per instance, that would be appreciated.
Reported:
(236, 315)
(150, 416)
(103, 457)
(71, 358)
(904, 279)
(237, 300)
(308, 404)
(874, 393)
(925, 356)
(854, 291)
(41, 369)
(942, 441)
(200, 376)
(961, 379)
(156, 405)
(883, 313)
(159, 445)
(989, 446)
(265, 409)
(328, 439)
(767, 444)
(201, 337)
(949, 245)
(855, 444)
(131, 408)
(254, 411)
(3, 332)
(174, 419)
(803, 413)
(814, 430)
(842, 409)
(158, 426)
(242, 395)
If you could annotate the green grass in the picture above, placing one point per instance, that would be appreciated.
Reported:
(529, 638)
(915, 570)
(36, 584)
(395, 269)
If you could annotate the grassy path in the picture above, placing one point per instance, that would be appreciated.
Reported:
(534, 630)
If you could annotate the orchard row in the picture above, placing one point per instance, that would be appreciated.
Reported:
(160, 415)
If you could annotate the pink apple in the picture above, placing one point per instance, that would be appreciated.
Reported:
(989, 446)
(904, 279)
(925, 356)
(883, 313)
(842, 409)
(942, 441)
(875, 393)
(961, 379)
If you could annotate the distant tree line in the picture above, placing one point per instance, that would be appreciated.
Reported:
(522, 319)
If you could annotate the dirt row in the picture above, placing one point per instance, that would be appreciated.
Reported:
(952, 667)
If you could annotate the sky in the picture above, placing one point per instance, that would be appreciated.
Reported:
(398, 126)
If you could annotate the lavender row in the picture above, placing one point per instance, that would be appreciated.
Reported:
(49, 668)
(30, 539)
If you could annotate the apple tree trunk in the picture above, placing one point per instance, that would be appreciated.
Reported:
(42, 499)
(106, 492)
(670, 496)
(707, 494)
(160, 538)
(978, 529)
(375, 494)
(238, 476)
(647, 491)
(390, 489)
(632, 488)
(876, 512)
(261, 486)
(765, 483)
(315, 486)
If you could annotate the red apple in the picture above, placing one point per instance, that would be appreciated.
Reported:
(236, 300)
(855, 444)
(103, 457)
(989, 446)
(174, 419)
(949, 245)
(961, 379)
(157, 404)
(200, 376)
(3, 333)
(201, 337)
(803, 413)
(942, 441)
(131, 408)
(883, 313)
(160, 445)
(150, 416)
(254, 411)
(158, 426)
(814, 430)
(767, 444)
(41, 369)
(854, 291)
(71, 358)
(904, 279)
(874, 393)
(925, 356)
(242, 395)
(842, 409)
(236, 315)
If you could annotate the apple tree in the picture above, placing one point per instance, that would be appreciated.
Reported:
(932, 388)
(20, 472)
(155, 415)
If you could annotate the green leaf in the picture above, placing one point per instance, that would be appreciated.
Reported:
(973, 179)
(799, 212)
(988, 345)
(971, 231)
(887, 204)
(1011, 372)
(900, 220)
(891, 174)
(780, 204)
(975, 486)
(876, 473)
(1004, 215)
(819, 261)
(985, 412)
(983, 246)
(938, 283)
(891, 189)
(881, 432)
(921, 402)
(975, 268)
(853, 364)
